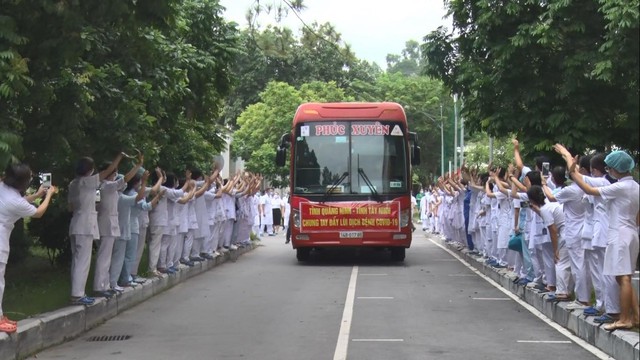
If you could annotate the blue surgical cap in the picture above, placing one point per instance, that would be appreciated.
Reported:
(620, 161)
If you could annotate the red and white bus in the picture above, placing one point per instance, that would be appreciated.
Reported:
(350, 176)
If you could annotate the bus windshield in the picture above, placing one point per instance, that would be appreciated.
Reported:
(371, 153)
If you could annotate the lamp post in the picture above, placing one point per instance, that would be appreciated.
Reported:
(455, 131)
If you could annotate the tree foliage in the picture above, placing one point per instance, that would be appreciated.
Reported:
(262, 124)
(546, 70)
(92, 78)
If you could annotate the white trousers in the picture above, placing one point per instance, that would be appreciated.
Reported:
(548, 262)
(594, 268)
(103, 263)
(117, 261)
(154, 247)
(580, 278)
(3, 268)
(188, 244)
(81, 246)
(142, 239)
(165, 258)
(197, 246)
(227, 231)
(563, 271)
(179, 248)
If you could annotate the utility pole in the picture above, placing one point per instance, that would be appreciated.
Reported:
(461, 134)
(455, 131)
(441, 143)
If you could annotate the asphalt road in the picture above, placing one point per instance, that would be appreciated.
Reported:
(268, 306)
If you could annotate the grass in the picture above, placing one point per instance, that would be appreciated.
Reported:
(35, 286)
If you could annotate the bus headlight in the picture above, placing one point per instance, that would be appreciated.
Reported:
(405, 216)
(296, 217)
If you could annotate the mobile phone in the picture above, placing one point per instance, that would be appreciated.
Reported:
(45, 179)
(545, 169)
(98, 195)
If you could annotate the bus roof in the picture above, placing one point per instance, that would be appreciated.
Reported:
(350, 110)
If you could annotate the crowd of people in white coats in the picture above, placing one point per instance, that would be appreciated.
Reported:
(569, 232)
(184, 219)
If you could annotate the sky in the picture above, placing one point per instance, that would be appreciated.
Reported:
(372, 28)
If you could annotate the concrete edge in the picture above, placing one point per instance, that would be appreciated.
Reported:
(45, 330)
(619, 344)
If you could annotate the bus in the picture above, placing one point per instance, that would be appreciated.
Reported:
(350, 177)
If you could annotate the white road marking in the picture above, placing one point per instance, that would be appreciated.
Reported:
(544, 341)
(378, 340)
(496, 299)
(375, 298)
(585, 345)
(347, 315)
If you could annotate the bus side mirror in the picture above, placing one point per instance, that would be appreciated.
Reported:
(281, 156)
(415, 158)
(281, 152)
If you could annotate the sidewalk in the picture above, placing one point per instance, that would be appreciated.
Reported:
(45, 330)
(619, 344)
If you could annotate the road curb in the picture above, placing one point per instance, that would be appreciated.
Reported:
(45, 330)
(619, 344)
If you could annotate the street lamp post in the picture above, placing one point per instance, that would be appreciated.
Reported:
(455, 131)
(441, 142)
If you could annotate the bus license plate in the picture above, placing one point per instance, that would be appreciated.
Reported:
(350, 234)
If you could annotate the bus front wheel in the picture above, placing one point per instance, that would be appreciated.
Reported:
(397, 254)
(303, 253)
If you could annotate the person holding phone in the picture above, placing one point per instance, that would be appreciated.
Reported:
(623, 245)
(13, 206)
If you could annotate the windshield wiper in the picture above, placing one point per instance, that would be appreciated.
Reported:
(334, 186)
(372, 188)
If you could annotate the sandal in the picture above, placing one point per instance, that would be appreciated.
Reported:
(7, 327)
(617, 326)
(12, 322)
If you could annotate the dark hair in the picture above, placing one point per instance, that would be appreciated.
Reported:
(502, 173)
(196, 173)
(484, 177)
(536, 195)
(464, 182)
(535, 177)
(182, 181)
(84, 165)
(559, 175)
(132, 183)
(539, 160)
(17, 176)
(585, 162)
(105, 165)
(171, 180)
(597, 162)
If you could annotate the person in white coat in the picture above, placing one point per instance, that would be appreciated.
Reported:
(83, 229)
(13, 206)
(266, 213)
(110, 187)
(623, 203)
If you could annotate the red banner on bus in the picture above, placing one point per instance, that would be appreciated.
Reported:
(350, 216)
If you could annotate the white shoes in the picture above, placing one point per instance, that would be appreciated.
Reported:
(233, 247)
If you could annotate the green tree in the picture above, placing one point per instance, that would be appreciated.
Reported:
(262, 124)
(408, 63)
(110, 76)
(545, 70)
